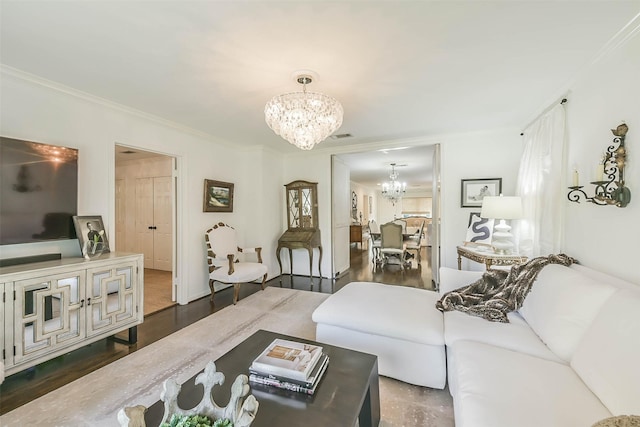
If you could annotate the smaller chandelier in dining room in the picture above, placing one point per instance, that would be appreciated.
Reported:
(303, 118)
(394, 189)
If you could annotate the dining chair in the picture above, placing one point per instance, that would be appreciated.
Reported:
(392, 246)
(402, 223)
(374, 240)
(415, 243)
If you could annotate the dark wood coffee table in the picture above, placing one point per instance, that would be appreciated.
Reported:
(349, 390)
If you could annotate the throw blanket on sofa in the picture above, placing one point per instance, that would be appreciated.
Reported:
(498, 292)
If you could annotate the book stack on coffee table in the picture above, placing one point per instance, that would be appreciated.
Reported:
(290, 365)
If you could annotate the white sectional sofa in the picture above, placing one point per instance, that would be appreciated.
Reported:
(569, 357)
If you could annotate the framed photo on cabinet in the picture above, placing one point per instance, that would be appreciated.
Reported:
(91, 235)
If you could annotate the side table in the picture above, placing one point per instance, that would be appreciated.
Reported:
(488, 258)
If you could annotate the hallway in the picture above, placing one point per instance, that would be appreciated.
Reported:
(157, 291)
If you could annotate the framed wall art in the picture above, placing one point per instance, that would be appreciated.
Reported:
(474, 190)
(218, 196)
(91, 235)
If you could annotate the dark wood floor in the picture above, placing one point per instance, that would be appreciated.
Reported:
(32, 383)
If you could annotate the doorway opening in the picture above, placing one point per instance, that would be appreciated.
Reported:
(358, 177)
(145, 217)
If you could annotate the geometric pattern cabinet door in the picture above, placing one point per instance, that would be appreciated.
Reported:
(6, 326)
(48, 313)
(112, 297)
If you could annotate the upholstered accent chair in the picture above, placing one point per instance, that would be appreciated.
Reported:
(223, 259)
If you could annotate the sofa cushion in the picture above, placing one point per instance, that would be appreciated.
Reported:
(451, 279)
(607, 357)
(392, 311)
(496, 387)
(516, 335)
(600, 276)
(561, 305)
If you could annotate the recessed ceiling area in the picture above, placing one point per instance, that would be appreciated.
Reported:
(414, 166)
(401, 69)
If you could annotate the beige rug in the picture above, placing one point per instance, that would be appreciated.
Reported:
(95, 399)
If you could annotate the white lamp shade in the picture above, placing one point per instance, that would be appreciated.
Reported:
(501, 207)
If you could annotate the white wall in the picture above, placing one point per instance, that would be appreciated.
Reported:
(362, 191)
(387, 211)
(41, 111)
(605, 237)
(483, 155)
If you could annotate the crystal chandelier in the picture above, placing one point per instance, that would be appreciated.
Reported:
(303, 118)
(394, 189)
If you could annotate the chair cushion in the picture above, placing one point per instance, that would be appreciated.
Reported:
(607, 357)
(561, 305)
(243, 272)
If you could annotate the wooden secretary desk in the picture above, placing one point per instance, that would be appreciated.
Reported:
(302, 223)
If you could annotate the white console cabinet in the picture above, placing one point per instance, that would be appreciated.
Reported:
(50, 308)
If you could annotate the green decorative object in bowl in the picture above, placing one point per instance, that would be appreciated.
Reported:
(196, 421)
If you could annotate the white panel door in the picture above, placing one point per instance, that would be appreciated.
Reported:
(144, 220)
(341, 209)
(162, 223)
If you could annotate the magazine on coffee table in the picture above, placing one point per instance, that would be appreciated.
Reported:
(287, 359)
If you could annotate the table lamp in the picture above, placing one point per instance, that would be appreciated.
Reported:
(502, 208)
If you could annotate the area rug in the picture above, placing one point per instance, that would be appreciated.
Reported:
(95, 399)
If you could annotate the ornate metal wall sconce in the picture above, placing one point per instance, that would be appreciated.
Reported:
(610, 189)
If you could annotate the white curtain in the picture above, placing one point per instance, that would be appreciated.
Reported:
(541, 185)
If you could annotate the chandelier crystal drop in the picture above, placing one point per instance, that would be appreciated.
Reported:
(394, 189)
(303, 118)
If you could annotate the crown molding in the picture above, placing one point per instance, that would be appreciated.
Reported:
(59, 87)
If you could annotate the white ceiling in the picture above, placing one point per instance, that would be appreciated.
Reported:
(414, 166)
(401, 69)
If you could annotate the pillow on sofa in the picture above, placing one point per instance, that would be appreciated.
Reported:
(561, 305)
(607, 357)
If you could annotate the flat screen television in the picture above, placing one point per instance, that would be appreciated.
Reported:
(38, 191)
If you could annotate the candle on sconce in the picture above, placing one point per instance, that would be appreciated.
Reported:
(599, 172)
(576, 178)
